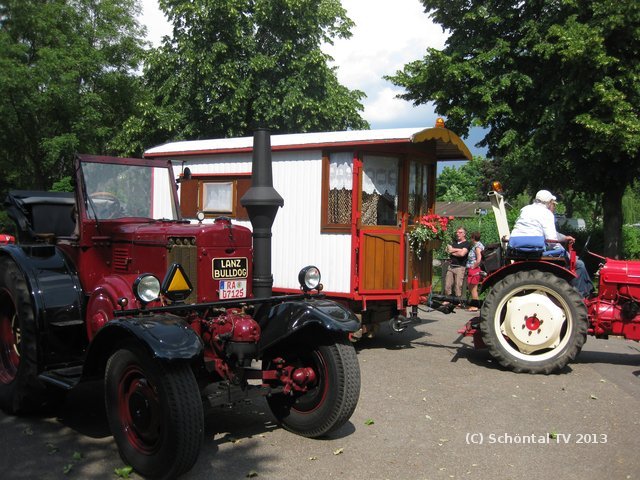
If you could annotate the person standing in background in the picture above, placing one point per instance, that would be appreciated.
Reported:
(458, 251)
(473, 269)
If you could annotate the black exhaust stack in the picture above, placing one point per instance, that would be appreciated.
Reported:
(262, 202)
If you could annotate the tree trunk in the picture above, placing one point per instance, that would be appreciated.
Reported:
(612, 221)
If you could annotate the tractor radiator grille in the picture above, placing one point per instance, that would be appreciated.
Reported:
(187, 256)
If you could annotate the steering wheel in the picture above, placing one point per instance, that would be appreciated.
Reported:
(106, 204)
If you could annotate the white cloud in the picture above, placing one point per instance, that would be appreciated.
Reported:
(157, 24)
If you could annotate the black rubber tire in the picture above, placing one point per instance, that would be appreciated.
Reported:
(155, 413)
(330, 402)
(538, 290)
(20, 389)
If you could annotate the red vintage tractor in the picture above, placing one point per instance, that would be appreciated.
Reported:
(534, 320)
(110, 283)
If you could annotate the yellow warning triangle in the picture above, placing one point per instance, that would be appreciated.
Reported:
(178, 282)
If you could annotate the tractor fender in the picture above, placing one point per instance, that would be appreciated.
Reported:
(166, 337)
(541, 265)
(103, 301)
(287, 318)
(53, 282)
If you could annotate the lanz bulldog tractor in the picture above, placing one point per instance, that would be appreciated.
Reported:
(111, 283)
(533, 320)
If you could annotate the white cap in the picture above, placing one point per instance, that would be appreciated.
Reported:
(545, 196)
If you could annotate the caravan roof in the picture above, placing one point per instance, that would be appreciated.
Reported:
(448, 145)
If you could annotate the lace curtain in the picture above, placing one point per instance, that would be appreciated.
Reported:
(380, 190)
(418, 183)
(340, 187)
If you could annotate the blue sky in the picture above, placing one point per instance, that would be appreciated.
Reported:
(387, 35)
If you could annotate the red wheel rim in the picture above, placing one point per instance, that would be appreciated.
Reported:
(140, 411)
(9, 338)
(315, 397)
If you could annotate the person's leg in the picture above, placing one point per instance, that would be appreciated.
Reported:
(459, 274)
(473, 289)
(582, 282)
(448, 282)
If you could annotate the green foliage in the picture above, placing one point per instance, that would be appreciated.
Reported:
(631, 242)
(66, 83)
(470, 182)
(65, 184)
(233, 65)
(631, 204)
(486, 225)
(556, 85)
(6, 224)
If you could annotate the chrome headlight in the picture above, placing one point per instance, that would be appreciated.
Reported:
(146, 288)
(309, 278)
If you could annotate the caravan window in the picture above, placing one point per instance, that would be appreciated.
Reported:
(418, 189)
(337, 190)
(214, 195)
(217, 197)
(380, 187)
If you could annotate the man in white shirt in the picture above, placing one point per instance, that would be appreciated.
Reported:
(538, 220)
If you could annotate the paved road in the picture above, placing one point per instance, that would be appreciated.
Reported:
(431, 407)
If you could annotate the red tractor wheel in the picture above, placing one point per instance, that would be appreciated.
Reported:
(534, 322)
(20, 390)
(155, 413)
(330, 398)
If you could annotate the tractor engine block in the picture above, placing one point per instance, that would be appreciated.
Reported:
(233, 336)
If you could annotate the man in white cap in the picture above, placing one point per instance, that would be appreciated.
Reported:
(538, 220)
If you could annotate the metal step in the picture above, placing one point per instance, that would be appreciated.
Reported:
(67, 323)
(67, 377)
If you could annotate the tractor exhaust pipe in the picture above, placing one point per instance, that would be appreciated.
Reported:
(262, 202)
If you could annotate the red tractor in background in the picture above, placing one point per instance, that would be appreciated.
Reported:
(110, 283)
(533, 320)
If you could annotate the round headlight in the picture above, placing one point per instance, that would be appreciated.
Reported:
(309, 278)
(146, 288)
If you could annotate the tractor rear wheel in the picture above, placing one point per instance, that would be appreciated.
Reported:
(533, 322)
(20, 389)
(329, 400)
(155, 413)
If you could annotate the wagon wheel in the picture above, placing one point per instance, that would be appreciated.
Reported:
(533, 322)
(331, 397)
(20, 390)
(155, 413)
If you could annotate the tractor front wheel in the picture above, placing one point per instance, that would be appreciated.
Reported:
(329, 400)
(533, 322)
(155, 413)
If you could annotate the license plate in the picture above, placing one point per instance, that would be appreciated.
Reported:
(228, 268)
(233, 289)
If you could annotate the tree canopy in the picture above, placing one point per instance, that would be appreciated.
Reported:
(232, 65)
(555, 83)
(468, 183)
(66, 83)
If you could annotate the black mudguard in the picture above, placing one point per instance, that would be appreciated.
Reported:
(166, 337)
(288, 318)
(56, 293)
